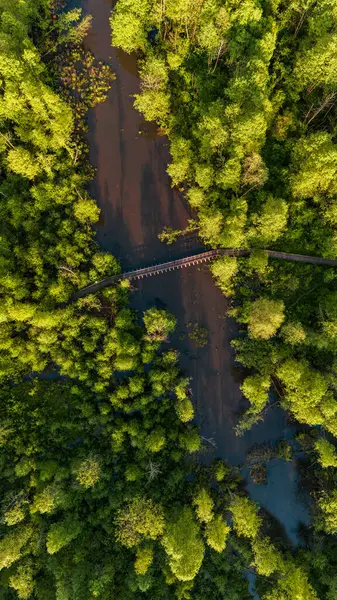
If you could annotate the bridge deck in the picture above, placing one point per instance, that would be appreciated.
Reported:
(197, 259)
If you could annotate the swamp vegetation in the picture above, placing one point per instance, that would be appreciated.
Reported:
(102, 491)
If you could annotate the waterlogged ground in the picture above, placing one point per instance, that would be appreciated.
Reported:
(133, 191)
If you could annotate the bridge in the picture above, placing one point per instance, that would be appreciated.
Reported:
(197, 259)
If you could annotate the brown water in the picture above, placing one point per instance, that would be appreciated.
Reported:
(133, 191)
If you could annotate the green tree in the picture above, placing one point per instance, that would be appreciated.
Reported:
(14, 515)
(255, 173)
(140, 519)
(47, 500)
(11, 545)
(306, 391)
(327, 454)
(130, 24)
(158, 324)
(315, 166)
(258, 261)
(190, 440)
(317, 62)
(224, 270)
(267, 559)
(204, 505)
(328, 506)
(88, 472)
(183, 545)
(270, 223)
(245, 518)
(62, 533)
(216, 533)
(293, 585)
(155, 440)
(185, 410)
(23, 580)
(293, 333)
(144, 559)
(22, 162)
(220, 470)
(154, 100)
(182, 157)
(265, 317)
(256, 389)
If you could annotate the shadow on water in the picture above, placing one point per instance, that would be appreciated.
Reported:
(133, 192)
(149, 130)
(128, 62)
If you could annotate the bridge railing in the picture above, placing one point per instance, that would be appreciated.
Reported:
(199, 258)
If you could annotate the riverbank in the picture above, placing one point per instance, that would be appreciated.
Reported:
(133, 191)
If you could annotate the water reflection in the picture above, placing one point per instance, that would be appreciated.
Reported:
(128, 62)
(149, 130)
(251, 577)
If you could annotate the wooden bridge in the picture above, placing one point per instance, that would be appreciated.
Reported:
(197, 259)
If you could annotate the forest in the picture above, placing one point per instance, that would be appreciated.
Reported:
(246, 93)
(103, 494)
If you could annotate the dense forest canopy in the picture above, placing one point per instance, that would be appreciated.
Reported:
(103, 494)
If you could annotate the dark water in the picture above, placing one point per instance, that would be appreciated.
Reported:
(133, 191)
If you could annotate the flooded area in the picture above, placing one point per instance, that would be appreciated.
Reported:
(133, 192)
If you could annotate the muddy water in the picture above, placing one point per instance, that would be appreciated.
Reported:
(134, 194)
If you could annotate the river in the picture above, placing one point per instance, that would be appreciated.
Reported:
(133, 192)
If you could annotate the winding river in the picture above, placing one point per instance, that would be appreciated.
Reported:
(133, 192)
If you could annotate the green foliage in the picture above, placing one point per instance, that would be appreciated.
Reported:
(130, 23)
(224, 270)
(158, 324)
(47, 500)
(293, 585)
(198, 334)
(12, 543)
(191, 440)
(141, 519)
(220, 470)
(96, 502)
(245, 518)
(256, 389)
(185, 410)
(62, 533)
(265, 317)
(14, 515)
(154, 101)
(326, 452)
(181, 163)
(143, 560)
(203, 506)
(293, 333)
(216, 533)
(306, 392)
(270, 223)
(328, 506)
(183, 545)
(258, 261)
(267, 559)
(23, 580)
(155, 441)
(315, 166)
(88, 472)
